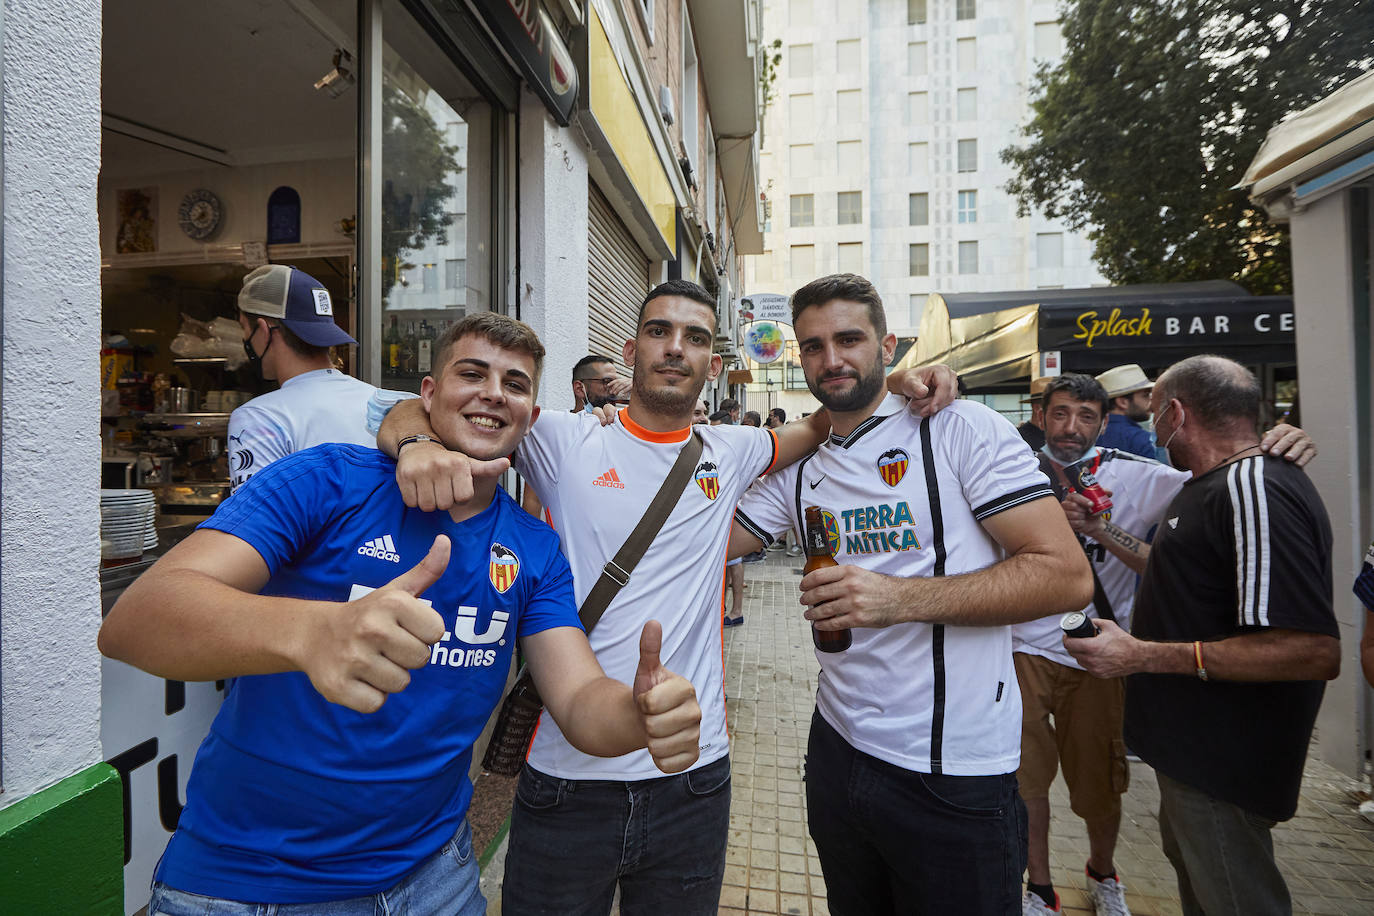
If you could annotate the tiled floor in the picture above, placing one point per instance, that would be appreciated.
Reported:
(1326, 852)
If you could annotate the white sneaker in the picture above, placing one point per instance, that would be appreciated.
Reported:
(1108, 897)
(1032, 905)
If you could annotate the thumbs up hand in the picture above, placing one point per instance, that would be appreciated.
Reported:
(667, 703)
(357, 653)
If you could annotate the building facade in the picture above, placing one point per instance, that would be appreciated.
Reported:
(882, 137)
(423, 159)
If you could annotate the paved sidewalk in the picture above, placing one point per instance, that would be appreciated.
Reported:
(1326, 852)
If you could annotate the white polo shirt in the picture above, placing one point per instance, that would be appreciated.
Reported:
(906, 497)
(595, 483)
(1141, 490)
(323, 405)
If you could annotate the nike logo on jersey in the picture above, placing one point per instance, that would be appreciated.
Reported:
(1173, 522)
(609, 479)
(383, 548)
(817, 482)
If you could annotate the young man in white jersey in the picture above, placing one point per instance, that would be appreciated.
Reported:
(583, 825)
(947, 533)
(288, 326)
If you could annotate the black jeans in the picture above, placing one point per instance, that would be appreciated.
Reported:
(896, 841)
(663, 840)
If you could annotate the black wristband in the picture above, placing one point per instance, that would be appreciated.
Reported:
(416, 438)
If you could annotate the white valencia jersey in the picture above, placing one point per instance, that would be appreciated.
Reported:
(595, 482)
(906, 497)
(313, 408)
(1141, 490)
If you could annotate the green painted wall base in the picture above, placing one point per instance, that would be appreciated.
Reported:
(62, 849)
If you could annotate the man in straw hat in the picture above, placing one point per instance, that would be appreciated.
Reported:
(1128, 393)
(1033, 430)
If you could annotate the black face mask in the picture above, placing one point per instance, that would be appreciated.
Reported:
(256, 358)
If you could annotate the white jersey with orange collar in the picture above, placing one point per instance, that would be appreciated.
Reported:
(907, 497)
(595, 483)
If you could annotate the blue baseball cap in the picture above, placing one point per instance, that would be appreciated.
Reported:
(296, 299)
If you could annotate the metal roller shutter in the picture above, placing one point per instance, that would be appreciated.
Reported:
(617, 279)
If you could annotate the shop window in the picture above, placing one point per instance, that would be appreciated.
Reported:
(799, 61)
(803, 210)
(968, 257)
(918, 209)
(968, 206)
(918, 260)
(915, 12)
(968, 156)
(850, 207)
(284, 217)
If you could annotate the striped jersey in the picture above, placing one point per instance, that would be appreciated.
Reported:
(907, 496)
(595, 482)
(1141, 489)
(1243, 548)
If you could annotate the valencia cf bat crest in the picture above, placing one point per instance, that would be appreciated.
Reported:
(503, 568)
(892, 465)
(708, 478)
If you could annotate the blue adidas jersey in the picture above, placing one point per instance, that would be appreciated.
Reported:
(295, 799)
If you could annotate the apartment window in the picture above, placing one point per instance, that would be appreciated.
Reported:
(851, 259)
(963, 9)
(801, 262)
(800, 61)
(968, 257)
(968, 206)
(850, 206)
(916, 304)
(967, 104)
(918, 107)
(799, 12)
(847, 56)
(455, 274)
(966, 51)
(849, 106)
(918, 158)
(800, 109)
(1049, 249)
(915, 12)
(801, 160)
(1049, 41)
(803, 210)
(968, 156)
(918, 260)
(849, 155)
(918, 209)
(916, 58)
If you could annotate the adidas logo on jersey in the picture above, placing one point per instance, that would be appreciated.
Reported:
(609, 479)
(382, 548)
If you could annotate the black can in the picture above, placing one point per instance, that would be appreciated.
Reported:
(1078, 625)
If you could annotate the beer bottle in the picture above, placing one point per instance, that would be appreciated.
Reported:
(817, 557)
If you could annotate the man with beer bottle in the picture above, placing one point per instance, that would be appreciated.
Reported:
(946, 533)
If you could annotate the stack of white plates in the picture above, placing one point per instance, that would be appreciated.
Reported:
(127, 523)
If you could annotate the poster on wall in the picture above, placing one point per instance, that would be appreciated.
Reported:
(136, 214)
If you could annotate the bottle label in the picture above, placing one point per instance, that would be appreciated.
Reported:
(424, 355)
(816, 543)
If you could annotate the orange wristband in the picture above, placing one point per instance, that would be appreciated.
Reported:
(1197, 660)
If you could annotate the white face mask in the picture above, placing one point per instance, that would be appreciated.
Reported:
(1182, 418)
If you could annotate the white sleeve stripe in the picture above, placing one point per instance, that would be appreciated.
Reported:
(1250, 524)
(1237, 513)
(1262, 504)
(748, 524)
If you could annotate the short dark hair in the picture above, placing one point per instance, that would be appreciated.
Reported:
(751, 418)
(500, 330)
(684, 288)
(850, 287)
(1078, 387)
(729, 404)
(1219, 391)
(720, 416)
(779, 413)
(591, 359)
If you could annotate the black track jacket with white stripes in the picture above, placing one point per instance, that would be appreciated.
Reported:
(1243, 547)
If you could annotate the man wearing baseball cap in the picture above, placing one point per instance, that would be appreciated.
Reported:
(288, 327)
(1128, 391)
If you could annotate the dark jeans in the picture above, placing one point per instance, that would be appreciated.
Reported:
(663, 840)
(893, 840)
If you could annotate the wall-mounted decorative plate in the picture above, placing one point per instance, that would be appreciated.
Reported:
(200, 214)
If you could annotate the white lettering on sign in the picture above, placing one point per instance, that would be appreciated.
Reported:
(1223, 323)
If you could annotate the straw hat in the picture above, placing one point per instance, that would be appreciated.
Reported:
(1123, 380)
(1037, 389)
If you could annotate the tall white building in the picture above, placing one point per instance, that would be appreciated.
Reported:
(880, 157)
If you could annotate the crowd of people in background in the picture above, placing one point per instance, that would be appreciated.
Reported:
(367, 603)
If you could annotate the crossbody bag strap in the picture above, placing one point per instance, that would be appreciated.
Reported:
(616, 574)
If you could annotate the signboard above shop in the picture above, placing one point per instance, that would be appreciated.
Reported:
(765, 307)
(528, 35)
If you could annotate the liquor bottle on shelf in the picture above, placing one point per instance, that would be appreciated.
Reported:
(424, 348)
(408, 350)
(391, 348)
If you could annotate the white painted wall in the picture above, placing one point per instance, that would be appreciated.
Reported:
(553, 246)
(50, 463)
(328, 190)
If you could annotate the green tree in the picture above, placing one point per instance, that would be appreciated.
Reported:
(416, 166)
(1143, 129)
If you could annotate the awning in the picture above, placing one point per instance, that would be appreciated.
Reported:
(997, 339)
(1315, 126)
(739, 377)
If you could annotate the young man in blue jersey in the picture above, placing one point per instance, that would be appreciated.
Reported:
(367, 660)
